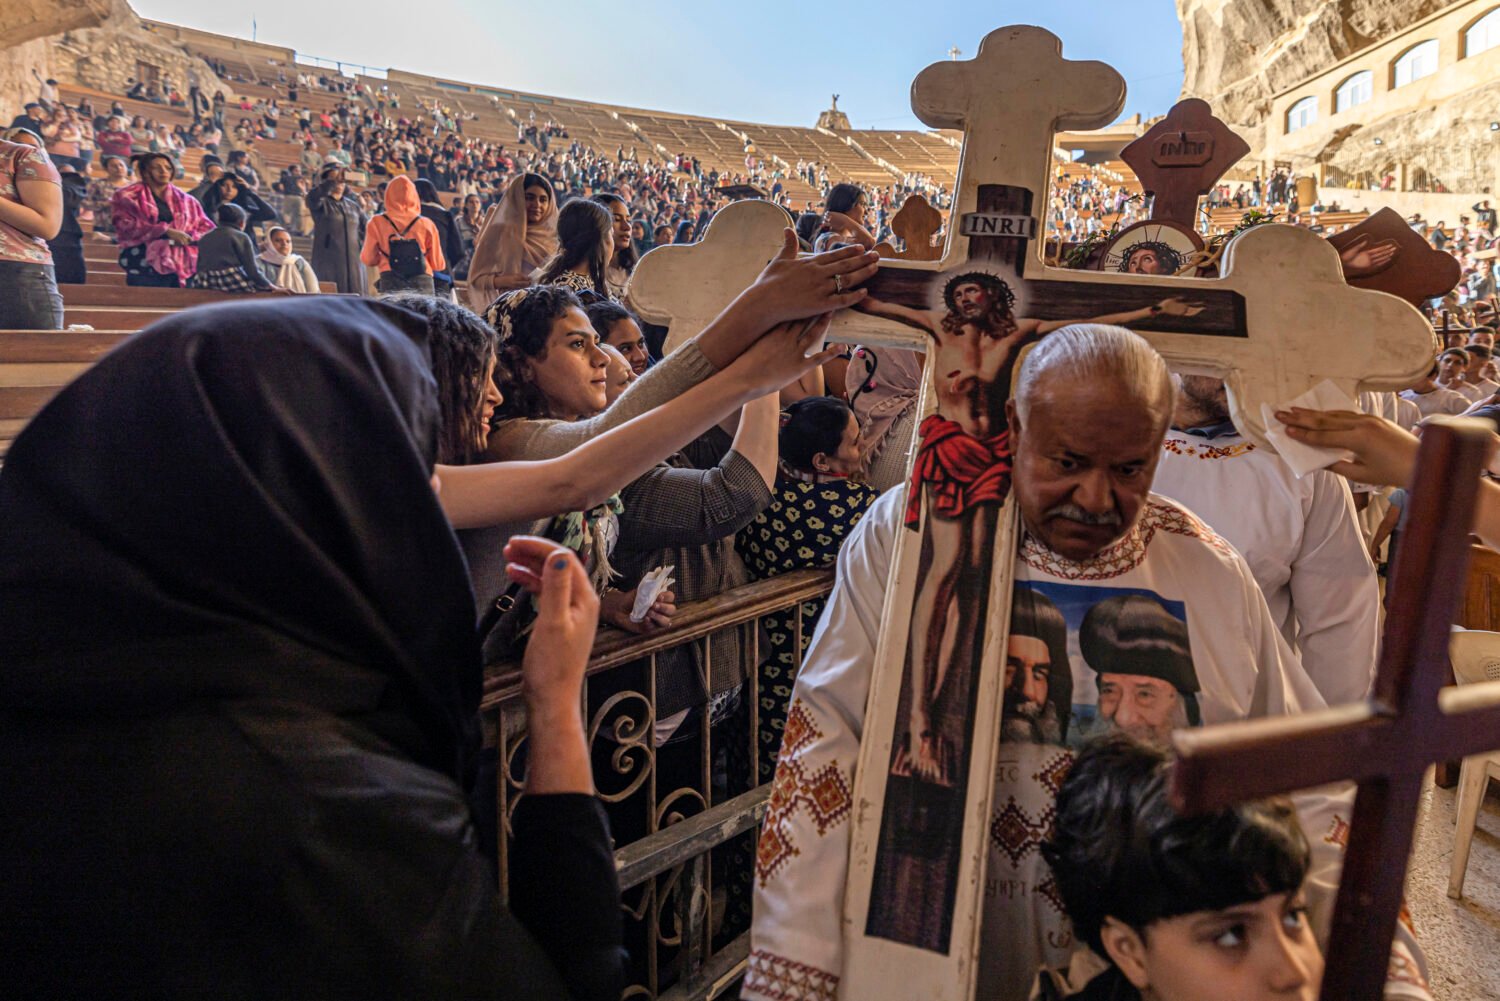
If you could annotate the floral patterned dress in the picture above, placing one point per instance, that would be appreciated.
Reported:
(802, 529)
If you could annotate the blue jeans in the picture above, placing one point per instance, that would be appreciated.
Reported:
(29, 299)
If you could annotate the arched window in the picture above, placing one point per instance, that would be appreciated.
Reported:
(1483, 34)
(1416, 62)
(1302, 114)
(1356, 90)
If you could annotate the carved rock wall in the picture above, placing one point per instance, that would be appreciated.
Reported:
(27, 28)
(25, 20)
(17, 85)
(1237, 53)
(1446, 146)
(97, 43)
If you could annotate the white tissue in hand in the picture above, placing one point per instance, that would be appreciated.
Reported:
(649, 589)
(1304, 458)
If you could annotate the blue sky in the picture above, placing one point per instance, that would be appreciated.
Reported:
(699, 58)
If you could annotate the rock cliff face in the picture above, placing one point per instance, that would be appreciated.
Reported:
(24, 45)
(93, 42)
(1237, 53)
(1446, 147)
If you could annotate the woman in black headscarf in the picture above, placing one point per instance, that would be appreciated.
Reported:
(240, 679)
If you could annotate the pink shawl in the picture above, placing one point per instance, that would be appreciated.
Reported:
(507, 250)
(135, 222)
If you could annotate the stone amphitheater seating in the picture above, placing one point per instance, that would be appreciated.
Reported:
(36, 364)
(869, 156)
(1222, 220)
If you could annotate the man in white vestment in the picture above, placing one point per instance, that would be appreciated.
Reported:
(1092, 404)
(1433, 400)
(1300, 537)
(1476, 386)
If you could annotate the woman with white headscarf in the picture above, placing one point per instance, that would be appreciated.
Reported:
(283, 267)
(518, 237)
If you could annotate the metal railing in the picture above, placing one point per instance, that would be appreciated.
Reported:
(676, 905)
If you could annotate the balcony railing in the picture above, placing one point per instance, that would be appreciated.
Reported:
(676, 905)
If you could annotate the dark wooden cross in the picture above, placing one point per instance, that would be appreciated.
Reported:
(1385, 744)
(915, 222)
(1182, 157)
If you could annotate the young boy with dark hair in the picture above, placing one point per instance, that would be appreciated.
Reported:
(1202, 908)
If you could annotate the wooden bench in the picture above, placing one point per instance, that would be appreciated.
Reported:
(128, 307)
(112, 319)
(115, 278)
(36, 364)
(140, 297)
(1339, 220)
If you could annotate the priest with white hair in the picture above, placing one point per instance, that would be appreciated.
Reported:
(1165, 628)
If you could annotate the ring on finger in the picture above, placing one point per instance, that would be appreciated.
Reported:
(838, 284)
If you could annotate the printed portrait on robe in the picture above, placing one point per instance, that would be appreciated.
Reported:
(1038, 673)
(1130, 657)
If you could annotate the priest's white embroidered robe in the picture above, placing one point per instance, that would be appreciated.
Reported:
(1243, 668)
(1303, 543)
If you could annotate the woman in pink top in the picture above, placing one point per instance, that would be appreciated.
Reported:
(30, 215)
(157, 226)
(63, 138)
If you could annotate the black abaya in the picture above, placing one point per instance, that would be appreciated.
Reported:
(239, 682)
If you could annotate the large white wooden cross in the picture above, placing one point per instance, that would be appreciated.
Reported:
(1278, 321)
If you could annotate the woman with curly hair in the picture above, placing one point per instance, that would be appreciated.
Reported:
(552, 377)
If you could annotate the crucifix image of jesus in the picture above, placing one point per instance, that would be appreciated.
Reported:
(962, 469)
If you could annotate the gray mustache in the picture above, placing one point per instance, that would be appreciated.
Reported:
(1073, 512)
